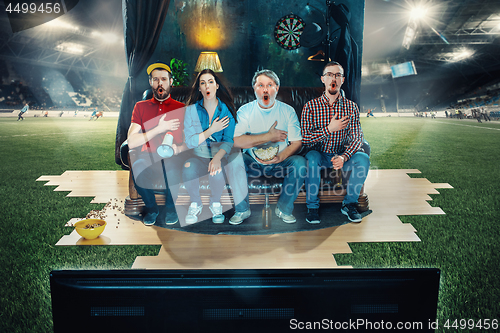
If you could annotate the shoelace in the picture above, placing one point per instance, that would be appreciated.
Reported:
(216, 211)
(192, 210)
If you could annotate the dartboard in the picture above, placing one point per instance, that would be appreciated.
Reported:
(288, 30)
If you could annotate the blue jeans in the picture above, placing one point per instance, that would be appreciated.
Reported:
(358, 164)
(149, 176)
(237, 178)
(234, 168)
(196, 167)
(293, 171)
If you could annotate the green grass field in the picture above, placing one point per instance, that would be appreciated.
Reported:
(463, 243)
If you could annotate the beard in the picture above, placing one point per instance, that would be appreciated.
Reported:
(333, 91)
(266, 100)
(161, 96)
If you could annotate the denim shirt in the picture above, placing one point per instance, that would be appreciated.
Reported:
(196, 121)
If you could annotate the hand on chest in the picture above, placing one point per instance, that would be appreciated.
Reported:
(326, 118)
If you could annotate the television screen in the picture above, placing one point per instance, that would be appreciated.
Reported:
(403, 69)
(244, 300)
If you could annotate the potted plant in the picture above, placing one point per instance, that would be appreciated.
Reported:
(179, 73)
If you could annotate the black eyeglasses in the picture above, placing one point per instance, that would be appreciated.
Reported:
(333, 75)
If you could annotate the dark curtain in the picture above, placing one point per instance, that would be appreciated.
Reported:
(346, 53)
(142, 24)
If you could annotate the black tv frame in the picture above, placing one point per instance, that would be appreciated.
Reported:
(265, 300)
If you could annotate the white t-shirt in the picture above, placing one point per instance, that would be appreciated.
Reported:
(252, 119)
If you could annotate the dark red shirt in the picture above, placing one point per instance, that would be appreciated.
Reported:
(148, 114)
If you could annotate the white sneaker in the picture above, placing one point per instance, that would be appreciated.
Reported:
(193, 212)
(216, 209)
(286, 218)
(238, 217)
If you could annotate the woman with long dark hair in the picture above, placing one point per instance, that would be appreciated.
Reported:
(222, 92)
(209, 129)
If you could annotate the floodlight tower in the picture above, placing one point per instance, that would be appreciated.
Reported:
(416, 14)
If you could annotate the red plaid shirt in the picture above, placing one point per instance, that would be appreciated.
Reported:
(316, 116)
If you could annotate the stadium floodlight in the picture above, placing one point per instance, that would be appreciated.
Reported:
(418, 13)
(109, 38)
(410, 33)
(461, 54)
(73, 48)
(364, 71)
(58, 24)
(106, 37)
(496, 29)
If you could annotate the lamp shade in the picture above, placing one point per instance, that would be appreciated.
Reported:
(208, 60)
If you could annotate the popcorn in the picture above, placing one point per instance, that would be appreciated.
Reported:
(266, 154)
(91, 226)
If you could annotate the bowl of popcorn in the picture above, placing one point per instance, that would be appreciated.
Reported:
(90, 228)
(266, 151)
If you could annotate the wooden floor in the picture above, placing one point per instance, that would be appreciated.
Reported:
(391, 193)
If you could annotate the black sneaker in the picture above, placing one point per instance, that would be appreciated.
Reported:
(171, 217)
(150, 218)
(351, 212)
(313, 216)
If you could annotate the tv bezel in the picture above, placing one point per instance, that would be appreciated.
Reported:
(265, 300)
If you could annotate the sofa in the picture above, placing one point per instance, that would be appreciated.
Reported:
(263, 190)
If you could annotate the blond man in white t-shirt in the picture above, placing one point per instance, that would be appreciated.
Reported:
(265, 121)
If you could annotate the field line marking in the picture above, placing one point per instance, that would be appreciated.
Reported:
(491, 128)
(48, 134)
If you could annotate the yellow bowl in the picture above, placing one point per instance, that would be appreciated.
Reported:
(84, 228)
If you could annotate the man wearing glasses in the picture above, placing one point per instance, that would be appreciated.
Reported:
(332, 132)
